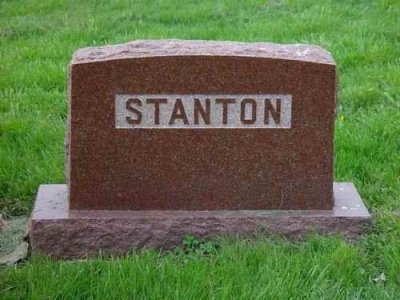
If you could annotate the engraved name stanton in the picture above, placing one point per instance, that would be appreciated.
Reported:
(203, 111)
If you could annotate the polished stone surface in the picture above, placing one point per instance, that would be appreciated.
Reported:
(289, 167)
(63, 233)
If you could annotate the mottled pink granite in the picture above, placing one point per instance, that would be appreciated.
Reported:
(200, 169)
(59, 232)
(146, 187)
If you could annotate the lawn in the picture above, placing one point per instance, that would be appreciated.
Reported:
(37, 39)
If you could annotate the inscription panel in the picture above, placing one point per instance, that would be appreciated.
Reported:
(203, 111)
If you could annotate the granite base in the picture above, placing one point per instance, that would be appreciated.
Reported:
(57, 231)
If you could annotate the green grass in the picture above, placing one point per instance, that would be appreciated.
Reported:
(37, 39)
(320, 268)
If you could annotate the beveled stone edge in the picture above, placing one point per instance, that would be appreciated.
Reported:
(52, 203)
(175, 47)
(85, 233)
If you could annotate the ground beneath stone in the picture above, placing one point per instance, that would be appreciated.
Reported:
(13, 244)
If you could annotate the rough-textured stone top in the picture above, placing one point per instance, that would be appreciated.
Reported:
(156, 48)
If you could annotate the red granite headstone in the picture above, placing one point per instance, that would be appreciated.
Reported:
(174, 138)
(201, 126)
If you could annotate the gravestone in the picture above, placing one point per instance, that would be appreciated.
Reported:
(171, 138)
